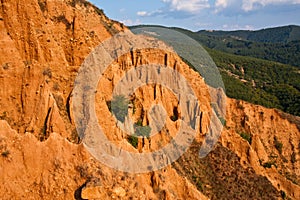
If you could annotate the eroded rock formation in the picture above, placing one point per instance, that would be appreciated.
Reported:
(42, 45)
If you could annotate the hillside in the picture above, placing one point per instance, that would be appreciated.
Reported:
(282, 34)
(259, 81)
(262, 82)
(280, 44)
(43, 44)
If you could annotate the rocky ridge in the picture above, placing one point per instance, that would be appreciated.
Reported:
(43, 44)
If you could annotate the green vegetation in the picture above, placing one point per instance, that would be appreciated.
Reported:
(280, 44)
(119, 107)
(265, 83)
(258, 81)
(222, 120)
(269, 164)
(283, 194)
(174, 118)
(281, 52)
(143, 131)
(175, 115)
(219, 115)
(271, 35)
(246, 136)
(198, 182)
(133, 141)
(220, 175)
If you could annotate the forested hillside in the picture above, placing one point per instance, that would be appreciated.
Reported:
(282, 34)
(280, 44)
(256, 71)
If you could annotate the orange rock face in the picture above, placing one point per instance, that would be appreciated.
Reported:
(42, 45)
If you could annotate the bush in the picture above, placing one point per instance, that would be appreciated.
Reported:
(174, 118)
(247, 137)
(119, 107)
(269, 164)
(283, 194)
(139, 123)
(142, 130)
(175, 115)
(5, 153)
(133, 141)
(222, 120)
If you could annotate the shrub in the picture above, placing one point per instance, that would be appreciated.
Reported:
(222, 120)
(142, 130)
(175, 115)
(269, 164)
(199, 185)
(247, 137)
(133, 141)
(86, 4)
(133, 106)
(119, 107)
(139, 123)
(283, 194)
(174, 118)
(5, 153)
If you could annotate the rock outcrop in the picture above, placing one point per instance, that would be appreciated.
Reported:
(42, 45)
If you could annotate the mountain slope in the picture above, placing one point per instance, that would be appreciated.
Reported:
(282, 34)
(258, 81)
(280, 44)
(42, 45)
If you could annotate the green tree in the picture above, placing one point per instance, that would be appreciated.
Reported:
(119, 107)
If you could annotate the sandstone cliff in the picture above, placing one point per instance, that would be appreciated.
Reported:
(42, 45)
